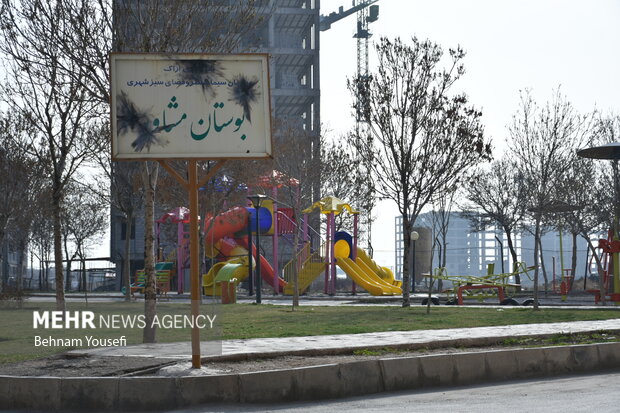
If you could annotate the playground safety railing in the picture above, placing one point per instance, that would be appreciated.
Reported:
(314, 238)
(306, 263)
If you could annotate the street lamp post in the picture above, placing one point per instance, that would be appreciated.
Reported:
(610, 151)
(256, 200)
(250, 260)
(414, 237)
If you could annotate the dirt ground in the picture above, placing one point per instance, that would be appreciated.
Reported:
(63, 366)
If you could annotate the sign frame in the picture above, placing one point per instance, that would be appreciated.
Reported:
(190, 75)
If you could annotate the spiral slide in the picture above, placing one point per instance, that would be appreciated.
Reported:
(219, 240)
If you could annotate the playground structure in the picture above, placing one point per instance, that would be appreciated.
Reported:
(339, 249)
(610, 249)
(226, 239)
(179, 255)
(488, 286)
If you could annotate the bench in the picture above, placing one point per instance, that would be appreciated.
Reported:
(162, 283)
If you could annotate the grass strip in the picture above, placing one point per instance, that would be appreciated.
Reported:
(243, 321)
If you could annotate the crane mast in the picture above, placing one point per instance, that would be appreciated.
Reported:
(366, 14)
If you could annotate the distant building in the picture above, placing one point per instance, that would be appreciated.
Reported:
(9, 263)
(469, 252)
(552, 255)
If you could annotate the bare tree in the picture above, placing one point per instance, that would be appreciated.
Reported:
(98, 27)
(343, 177)
(24, 188)
(496, 198)
(441, 215)
(424, 139)
(577, 192)
(295, 160)
(42, 237)
(542, 141)
(85, 219)
(118, 184)
(54, 103)
(20, 186)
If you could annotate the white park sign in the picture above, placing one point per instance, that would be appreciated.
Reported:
(190, 106)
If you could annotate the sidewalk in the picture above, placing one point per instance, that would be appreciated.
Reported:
(333, 344)
(325, 381)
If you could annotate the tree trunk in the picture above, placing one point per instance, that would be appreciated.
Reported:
(574, 261)
(536, 237)
(4, 256)
(20, 271)
(41, 273)
(47, 275)
(57, 227)
(406, 252)
(513, 254)
(444, 257)
(150, 293)
(542, 264)
(127, 255)
(83, 277)
(69, 262)
(31, 271)
(296, 268)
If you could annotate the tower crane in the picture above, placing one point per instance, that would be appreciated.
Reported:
(367, 12)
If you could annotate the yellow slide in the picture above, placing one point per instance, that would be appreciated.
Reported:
(367, 274)
(384, 272)
(236, 268)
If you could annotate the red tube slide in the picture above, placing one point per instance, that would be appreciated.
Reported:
(266, 270)
(229, 223)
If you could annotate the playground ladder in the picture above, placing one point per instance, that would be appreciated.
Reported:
(309, 266)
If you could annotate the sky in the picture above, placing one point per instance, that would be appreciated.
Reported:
(511, 45)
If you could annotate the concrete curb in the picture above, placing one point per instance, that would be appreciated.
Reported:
(307, 383)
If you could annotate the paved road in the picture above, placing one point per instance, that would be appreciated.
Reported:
(591, 393)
